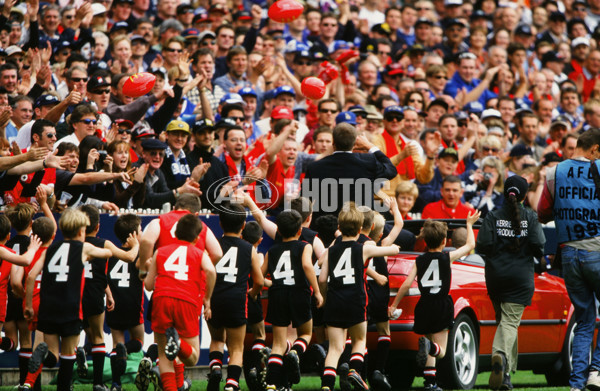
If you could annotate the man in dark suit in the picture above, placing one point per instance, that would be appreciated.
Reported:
(346, 176)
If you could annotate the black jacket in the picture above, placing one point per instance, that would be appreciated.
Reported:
(509, 275)
(344, 171)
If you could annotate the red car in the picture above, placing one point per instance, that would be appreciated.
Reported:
(545, 334)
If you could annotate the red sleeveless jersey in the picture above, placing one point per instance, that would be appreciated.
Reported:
(179, 272)
(168, 225)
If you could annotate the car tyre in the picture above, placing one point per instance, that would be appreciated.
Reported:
(559, 374)
(458, 369)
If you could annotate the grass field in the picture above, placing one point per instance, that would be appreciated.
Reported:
(523, 380)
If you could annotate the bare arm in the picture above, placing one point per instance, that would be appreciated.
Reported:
(370, 251)
(24, 259)
(318, 247)
(398, 224)
(404, 288)
(152, 272)
(309, 272)
(149, 239)
(16, 280)
(29, 285)
(470, 244)
(126, 256)
(92, 178)
(267, 225)
(255, 273)
(265, 265)
(213, 247)
(90, 252)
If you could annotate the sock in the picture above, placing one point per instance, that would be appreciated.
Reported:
(275, 370)
(185, 350)
(363, 373)
(168, 381)
(31, 378)
(152, 352)
(233, 376)
(434, 349)
(7, 344)
(38, 384)
(328, 378)
(299, 346)
(215, 359)
(116, 371)
(133, 345)
(383, 349)
(345, 357)
(51, 360)
(65, 372)
(357, 361)
(255, 356)
(429, 375)
(24, 356)
(179, 369)
(98, 354)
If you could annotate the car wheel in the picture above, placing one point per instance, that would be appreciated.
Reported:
(560, 372)
(458, 369)
(400, 371)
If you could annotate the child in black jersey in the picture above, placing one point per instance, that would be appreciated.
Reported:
(289, 263)
(128, 295)
(229, 300)
(343, 275)
(434, 312)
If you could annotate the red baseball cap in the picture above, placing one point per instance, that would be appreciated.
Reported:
(282, 112)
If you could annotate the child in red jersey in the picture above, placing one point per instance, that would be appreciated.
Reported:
(179, 273)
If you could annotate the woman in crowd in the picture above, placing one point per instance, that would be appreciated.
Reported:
(127, 196)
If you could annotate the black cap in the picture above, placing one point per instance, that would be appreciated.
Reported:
(424, 21)
(227, 123)
(438, 102)
(46, 100)
(181, 8)
(203, 124)
(453, 22)
(551, 157)
(556, 16)
(479, 14)
(95, 82)
(382, 28)
(516, 185)
(152, 143)
(520, 150)
(523, 29)
(552, 56)
(448, 152)
(119, 26)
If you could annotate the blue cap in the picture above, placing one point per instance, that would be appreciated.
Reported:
(337, 45)
(393, 109)
(119, 26)
(284, 90)
(232, 97)
(248, 91)
(45, 100)
(346, 116)
(474, 107)
(63, 44)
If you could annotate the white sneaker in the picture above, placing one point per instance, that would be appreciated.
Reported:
(593, 382)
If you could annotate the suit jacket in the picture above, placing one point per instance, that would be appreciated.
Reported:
(335, 179)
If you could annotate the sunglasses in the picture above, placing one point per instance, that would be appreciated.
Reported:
(206, 43)
(69, 16)
(439, 77)
(241, 119)
(172, 50)
(462, 123)
(88, 121)
(361, 115)
(327, 111)
(277, 37)
(386, 53)
(415, 100)
(65, 53)
(51, 135)
(580, 9)
(105, 91)
(301, 63)
(79, 79)
(393, 118)
(488, 149)
(156, 153)
(121, 131)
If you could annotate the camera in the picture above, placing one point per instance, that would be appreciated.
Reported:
(487, 176)
(102, 155)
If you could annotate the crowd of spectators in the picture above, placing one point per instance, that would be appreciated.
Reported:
(458, 95)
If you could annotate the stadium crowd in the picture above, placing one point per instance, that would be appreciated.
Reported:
(436, 103)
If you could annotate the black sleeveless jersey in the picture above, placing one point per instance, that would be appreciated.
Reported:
(127, 289)
(62, 283)
(285, 265)
(434, 274)
(347, 272)
(233, 269)
(19, 243)
(95, 271)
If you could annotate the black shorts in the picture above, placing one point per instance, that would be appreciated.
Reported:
(377, 310)
(317, 313)
(124, 319)
(14, 308)
(92, 302)
(62, 329)
(433, 315)
(228, 310)
(255, 311)
(288, 305)
(343, 313)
